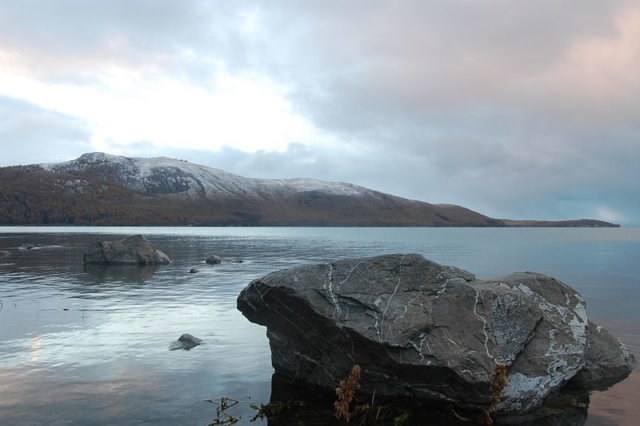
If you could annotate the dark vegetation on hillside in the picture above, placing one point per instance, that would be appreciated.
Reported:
(31, 195)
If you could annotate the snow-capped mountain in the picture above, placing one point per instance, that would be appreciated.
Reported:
(162, 175)
(103, 189)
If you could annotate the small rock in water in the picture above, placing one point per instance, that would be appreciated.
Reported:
(213, 260)
(193, 270)
(185, 342)
(26, 246)
(4, 253)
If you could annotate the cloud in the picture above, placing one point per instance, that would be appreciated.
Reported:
(514, 109)
(29, 134)
(420, 58)
(71, 39)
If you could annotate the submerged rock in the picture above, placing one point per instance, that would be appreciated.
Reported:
(213, 260)
(4, 253)
(432, 333)
(193, 271)
(132, 250)
(185, 342)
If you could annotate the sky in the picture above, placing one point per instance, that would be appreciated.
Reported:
(515, 109)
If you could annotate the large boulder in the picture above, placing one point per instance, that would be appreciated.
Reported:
(135, 250)
(432, 333)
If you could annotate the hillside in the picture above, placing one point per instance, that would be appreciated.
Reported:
(102, 189)
(578, 223)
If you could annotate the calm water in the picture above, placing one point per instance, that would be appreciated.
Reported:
(90, 346)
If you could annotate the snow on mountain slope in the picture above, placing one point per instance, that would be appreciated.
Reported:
(110, 190)
(167, 175)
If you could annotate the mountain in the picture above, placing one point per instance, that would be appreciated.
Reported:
(577, 223)
(103, 189)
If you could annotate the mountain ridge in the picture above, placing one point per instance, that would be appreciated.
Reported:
(104, 189)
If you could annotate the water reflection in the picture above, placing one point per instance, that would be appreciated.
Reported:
(293, 404)
(122, 398)
(34, 349)
(134, 274)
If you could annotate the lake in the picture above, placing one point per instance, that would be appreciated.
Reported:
(89, 346)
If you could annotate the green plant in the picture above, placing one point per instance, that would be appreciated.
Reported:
(402, 420)
(222, 417)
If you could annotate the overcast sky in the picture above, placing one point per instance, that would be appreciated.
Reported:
(516, 109)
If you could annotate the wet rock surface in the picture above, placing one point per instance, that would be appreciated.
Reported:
(134, 250)
(213, 260)
(185, 342)
(432, 333)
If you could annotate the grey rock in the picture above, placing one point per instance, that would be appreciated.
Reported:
(193, 271)
(135, 250)
(427, 332)
(185, 342)
(607, 360)
(213, 260)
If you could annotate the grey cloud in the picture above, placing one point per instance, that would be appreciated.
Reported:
(30, 134)
(73, 40)
(414, 58)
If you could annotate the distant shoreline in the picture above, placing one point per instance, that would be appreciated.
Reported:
(108, 190)
(583, 223)
(579, 223)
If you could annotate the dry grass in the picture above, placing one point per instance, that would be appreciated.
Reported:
(346, 393)
(497, 385)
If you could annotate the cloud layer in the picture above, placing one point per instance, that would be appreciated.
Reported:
(514, 109)
(30, 134)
